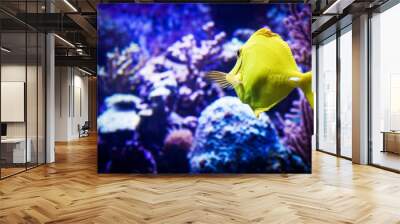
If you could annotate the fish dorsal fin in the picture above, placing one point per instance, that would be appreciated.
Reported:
(265, 32)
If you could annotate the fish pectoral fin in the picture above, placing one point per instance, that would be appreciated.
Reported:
(219, 78)
(233, 79)
(257, 112)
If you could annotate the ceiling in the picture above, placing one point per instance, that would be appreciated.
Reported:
(75, 22)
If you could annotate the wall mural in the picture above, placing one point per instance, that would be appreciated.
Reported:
(204, 88)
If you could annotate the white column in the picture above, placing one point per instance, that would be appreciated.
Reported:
(62, 103)
(50, 92)
(360, 90)
(50, 98)
(314, 89)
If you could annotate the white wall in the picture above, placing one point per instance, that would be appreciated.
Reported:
(62, 81)
(71, 102)
(16, 73)
(33, 127)
(11, 73)
(80, 110)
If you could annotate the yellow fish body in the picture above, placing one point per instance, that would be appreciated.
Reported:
(265, 72)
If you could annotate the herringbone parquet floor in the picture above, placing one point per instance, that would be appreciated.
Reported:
(70, 191)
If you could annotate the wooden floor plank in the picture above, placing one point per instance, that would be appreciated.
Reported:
(71, 191)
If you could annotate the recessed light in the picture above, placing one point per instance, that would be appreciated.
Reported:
(5, 50)
(84, 71)
(70, 5)
(64, 40)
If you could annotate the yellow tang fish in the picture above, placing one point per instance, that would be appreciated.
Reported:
(265, 72)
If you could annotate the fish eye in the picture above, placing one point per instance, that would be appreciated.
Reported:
(238, 53)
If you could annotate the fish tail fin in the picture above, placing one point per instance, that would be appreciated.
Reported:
(305, 85)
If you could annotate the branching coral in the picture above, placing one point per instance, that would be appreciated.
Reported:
(296, 128)
(299, 26)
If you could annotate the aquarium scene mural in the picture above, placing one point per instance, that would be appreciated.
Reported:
(204, 88)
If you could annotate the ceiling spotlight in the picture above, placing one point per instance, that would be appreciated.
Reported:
(5, 50)
(65, 41)
(70, 5)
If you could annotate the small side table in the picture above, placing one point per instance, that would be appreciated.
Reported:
(391, 141)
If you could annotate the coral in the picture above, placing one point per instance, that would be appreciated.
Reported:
(122, 113)
(122, 154)
(180, 138)
(298, 24)
(152, 87)
(177, 145)
(131, 160)
(152, 26)
(296, 128)
(230, 139)
(122, 116)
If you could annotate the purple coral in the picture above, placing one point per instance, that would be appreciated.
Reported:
(299, 26)
(296, 128)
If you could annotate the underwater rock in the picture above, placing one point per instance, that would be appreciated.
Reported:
(230, 139)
